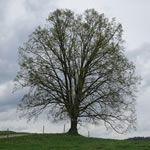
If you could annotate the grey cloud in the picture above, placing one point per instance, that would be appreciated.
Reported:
(141, 58)
(15, 27)
(8, 114)
(3, 9)
(142, 51)
(9, 100)
(7, 71)
(19, 18)
(38, 6)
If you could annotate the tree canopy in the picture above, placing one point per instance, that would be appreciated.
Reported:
(75, 68)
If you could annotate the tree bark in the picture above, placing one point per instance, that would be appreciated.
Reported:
(73, 129)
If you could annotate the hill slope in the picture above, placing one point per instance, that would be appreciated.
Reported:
(68, 142)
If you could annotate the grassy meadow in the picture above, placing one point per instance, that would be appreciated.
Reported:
(68, 142)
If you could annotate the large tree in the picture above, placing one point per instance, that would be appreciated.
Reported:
(75, 68)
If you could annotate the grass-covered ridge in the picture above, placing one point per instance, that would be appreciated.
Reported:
(68, 142)
(6, 132)
(3, 133)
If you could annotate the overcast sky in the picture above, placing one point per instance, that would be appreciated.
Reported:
(19, 18)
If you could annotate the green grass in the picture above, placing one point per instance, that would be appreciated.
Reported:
(68, 142)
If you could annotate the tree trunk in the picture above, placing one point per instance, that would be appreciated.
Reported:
(73, 128)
